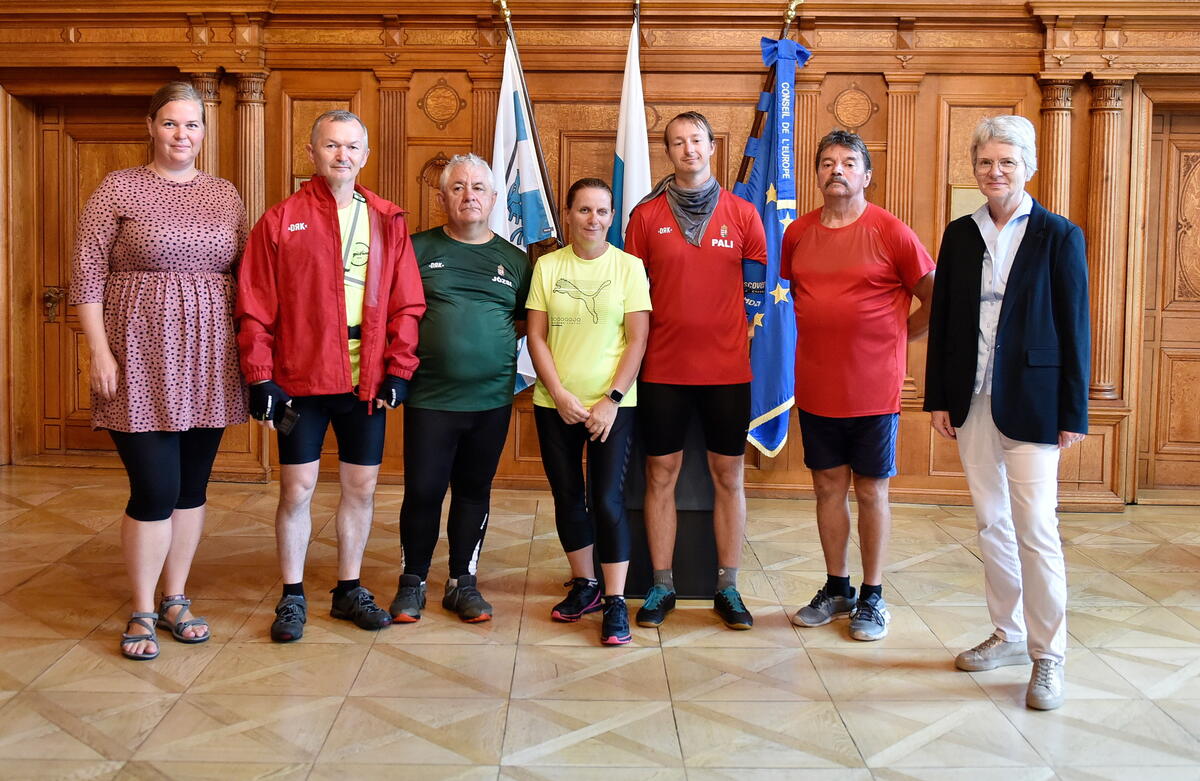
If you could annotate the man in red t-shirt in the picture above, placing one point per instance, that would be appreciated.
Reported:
(854, 269)
(705, 253)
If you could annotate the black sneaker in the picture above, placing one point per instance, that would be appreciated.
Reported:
(729, 606)
(583, 598)
(659, 601)
(614, 629)
(465, 600)
(358, 605)
(410, 600)
(290, 615)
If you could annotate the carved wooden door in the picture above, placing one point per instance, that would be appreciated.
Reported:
(77, 143)
(1169, 418)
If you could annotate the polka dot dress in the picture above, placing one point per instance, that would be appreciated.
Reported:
(159, 255)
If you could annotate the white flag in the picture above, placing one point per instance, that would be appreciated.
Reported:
(522, 212)
(631, 163)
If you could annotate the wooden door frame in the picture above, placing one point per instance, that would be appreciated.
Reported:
(1150, 94)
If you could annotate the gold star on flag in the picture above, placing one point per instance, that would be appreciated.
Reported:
(780, 293)
(785, 221)
(772, 193)
(758, 320)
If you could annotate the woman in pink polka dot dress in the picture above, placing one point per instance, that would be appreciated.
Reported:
(153, 285)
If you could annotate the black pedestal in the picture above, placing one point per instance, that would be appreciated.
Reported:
(695, 564)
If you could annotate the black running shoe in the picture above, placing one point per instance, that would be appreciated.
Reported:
(729, 606)
(410, 600)
(614, 629)
(659, 601)
(290, 615)
(465, 600)
(358, 605)
(583, 598)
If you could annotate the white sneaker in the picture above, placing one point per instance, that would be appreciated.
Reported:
(992, 653)
(1045, 690)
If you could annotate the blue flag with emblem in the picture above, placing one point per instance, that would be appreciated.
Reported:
(522, 211)
(771, 188)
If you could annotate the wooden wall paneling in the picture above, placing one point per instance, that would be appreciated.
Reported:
(6, 247)
(1054, 159)
(393, 133)
(251, 143)
(207, 83)
(22, 135)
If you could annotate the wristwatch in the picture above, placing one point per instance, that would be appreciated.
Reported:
(615, 396)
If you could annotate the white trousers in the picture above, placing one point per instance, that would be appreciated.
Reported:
(1014, 486)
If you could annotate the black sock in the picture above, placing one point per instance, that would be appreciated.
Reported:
(293, 589)
(345, 586)
(836, 586)
(866, 591)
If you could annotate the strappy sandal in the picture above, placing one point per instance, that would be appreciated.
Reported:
(146, 621)
(176, 627)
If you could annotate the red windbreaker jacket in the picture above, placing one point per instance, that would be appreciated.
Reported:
(291, 304)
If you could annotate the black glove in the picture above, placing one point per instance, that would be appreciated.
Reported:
(393, 391)
(267, 401)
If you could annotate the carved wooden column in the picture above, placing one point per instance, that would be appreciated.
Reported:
(1106, 253)
(902, 143)
(393, 134)
(808, 134)
(252, 158)
(208, 85)
(1054, 164)
(485, 98)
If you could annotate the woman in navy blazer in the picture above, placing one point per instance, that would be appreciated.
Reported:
(1007, 376)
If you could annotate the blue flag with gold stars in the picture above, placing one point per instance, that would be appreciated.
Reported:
(772, 190)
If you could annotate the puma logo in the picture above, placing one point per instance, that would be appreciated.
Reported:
(569, 288)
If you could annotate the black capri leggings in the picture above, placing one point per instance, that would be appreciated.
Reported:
(455, 450)
(583, 511)
(168, 470)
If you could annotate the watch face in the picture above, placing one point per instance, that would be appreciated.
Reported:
(616, 395)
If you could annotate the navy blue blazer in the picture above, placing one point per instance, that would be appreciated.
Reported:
(1043, 339)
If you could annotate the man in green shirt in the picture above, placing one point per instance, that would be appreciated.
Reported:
(460, 398)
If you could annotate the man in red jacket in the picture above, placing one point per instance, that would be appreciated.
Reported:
(329, 301)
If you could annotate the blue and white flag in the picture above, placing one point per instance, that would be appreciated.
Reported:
(631, 162)
(522, 213)
(772, 190)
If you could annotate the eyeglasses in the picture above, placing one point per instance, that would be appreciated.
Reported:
(1007, 166)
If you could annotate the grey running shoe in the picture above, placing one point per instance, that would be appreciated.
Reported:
(1045, 690)
(992, 653)
(824, 608)
(358, 605)
(410, 600)
(465, 600)
(290, 615)
(870, 618)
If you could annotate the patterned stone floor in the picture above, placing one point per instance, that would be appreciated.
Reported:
(523, 698)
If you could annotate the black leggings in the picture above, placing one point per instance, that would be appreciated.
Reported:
(168, 470)
(455, 450)
(581, 510)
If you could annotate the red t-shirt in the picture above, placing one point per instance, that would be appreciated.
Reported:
(698, 326)
(851, 290)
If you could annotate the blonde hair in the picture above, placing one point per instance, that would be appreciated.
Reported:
(172, 91)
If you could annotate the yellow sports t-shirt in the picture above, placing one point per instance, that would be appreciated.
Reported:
(585, 302)
(355, 225)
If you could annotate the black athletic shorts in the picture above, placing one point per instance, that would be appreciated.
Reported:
(867, 444)
(358, 428)
(665, 411)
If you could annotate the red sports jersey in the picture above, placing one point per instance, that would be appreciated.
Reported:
(698, 326)
(851, 290)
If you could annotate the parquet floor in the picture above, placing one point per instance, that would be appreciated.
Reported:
(522, 698)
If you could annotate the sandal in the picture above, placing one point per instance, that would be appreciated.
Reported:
(146, 621)
(176, 627)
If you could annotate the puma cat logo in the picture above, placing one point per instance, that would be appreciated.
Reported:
(569, 288)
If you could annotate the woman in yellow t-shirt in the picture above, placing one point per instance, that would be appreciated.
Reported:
(589, 313)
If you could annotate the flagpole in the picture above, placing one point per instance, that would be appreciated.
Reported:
(537, 140)
(760, 117)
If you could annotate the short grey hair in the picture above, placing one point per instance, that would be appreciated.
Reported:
(470, 158)
(339, 115)
(1008, 129)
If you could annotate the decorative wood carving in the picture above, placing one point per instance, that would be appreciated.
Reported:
(252, 175)
(808, 135)
(393, 93)
(1106, 259)
(208, 85)
(441, 104)
(485, 100)
(900, 196)
(1054, 165)
(853, 107)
